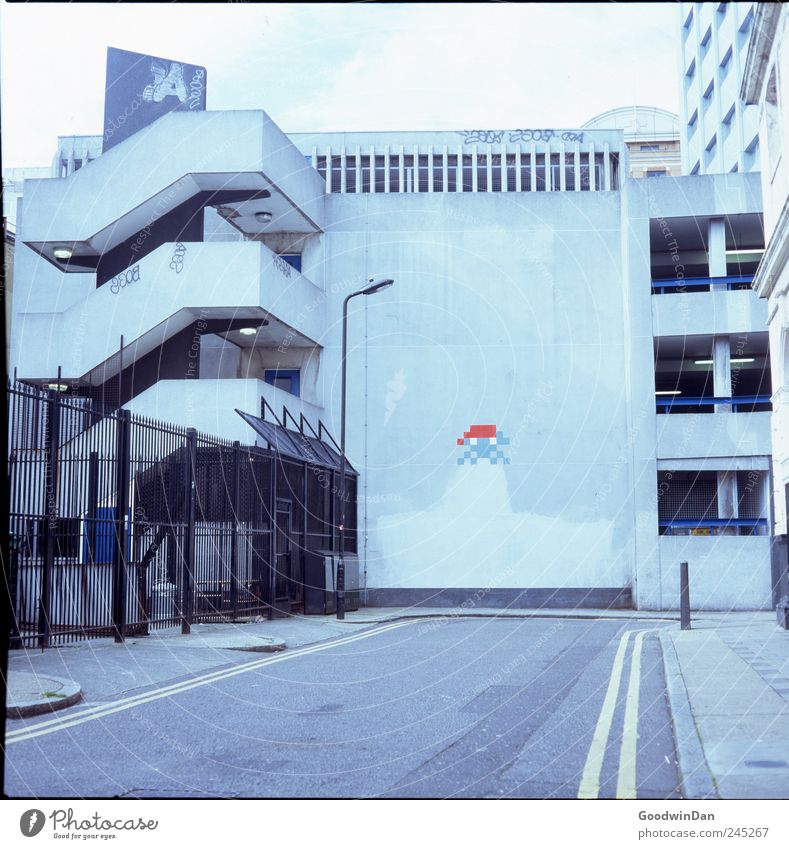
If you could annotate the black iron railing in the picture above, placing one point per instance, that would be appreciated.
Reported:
(121, 524)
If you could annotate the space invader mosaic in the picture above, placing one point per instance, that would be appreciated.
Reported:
(483, 442)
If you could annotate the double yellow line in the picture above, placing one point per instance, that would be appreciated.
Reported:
(626, 776)
(98, 711)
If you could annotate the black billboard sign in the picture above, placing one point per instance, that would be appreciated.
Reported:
(139, 89)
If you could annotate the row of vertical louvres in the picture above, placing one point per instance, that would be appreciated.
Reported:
(467, 171)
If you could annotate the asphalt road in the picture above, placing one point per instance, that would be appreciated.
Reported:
(463, 708)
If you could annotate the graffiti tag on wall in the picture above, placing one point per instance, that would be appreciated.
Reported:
(513, 136)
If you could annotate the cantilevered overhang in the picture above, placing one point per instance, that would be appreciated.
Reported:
(225, 321)
(238, 162)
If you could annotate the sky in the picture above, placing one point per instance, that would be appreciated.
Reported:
(321, 67)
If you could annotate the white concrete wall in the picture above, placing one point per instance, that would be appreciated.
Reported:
(725, 572)
(209, 405)
(507, 311)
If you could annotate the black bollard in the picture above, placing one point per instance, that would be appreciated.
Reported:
(684, 597)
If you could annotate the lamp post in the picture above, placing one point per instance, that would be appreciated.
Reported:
(372, 287)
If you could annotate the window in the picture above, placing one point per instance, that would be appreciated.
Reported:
(467, 176)
(336, 173)
(408, 165)
(286, 379)
(526, 173)
(380, 173)
(482, 172)
(495, 177)
(649, 147)
(705, 41)
(394, 173)
(691, 70)
(77, 164)
(511, 176)
(656, 172)
(708, 93)
(438, 173)
(726, 123)
(452, 172)
(423, 173)
(350, 174)
(365, 186)
(293, 260)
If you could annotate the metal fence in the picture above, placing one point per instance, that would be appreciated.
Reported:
(120, 524)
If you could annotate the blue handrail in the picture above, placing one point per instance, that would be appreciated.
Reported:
(729, 280)
(739, 401)
(713, 523)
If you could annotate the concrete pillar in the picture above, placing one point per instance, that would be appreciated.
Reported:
(721, 371)
(716, 250)
(727, 500)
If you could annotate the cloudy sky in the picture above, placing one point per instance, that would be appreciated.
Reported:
(345, 66)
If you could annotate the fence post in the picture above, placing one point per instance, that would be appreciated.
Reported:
(234, 533)
(684, 597)
(50, 525)
(120, 567)
(189, 547)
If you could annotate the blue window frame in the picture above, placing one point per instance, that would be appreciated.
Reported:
(284, 378)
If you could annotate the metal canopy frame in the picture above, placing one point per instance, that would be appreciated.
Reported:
(298, 444)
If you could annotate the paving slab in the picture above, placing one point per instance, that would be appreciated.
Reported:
(729, 667)
(32, 695)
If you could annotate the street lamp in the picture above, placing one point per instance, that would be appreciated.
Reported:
(372, 287)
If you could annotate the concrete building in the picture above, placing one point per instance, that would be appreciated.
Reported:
(651, 136)
(720, 133)
(764, 85)
(561, 398)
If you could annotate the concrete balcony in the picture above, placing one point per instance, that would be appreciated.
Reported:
(165, 293)
(718, 313)
(701, 436)
(210, 406)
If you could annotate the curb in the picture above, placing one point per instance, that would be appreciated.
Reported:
(695, 777)
(522, 615)
(68, 694)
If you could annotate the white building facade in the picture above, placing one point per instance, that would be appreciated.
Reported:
(764, 85)
(720, 132)
(561, 398)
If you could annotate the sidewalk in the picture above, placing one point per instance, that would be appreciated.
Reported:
(728, 684)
